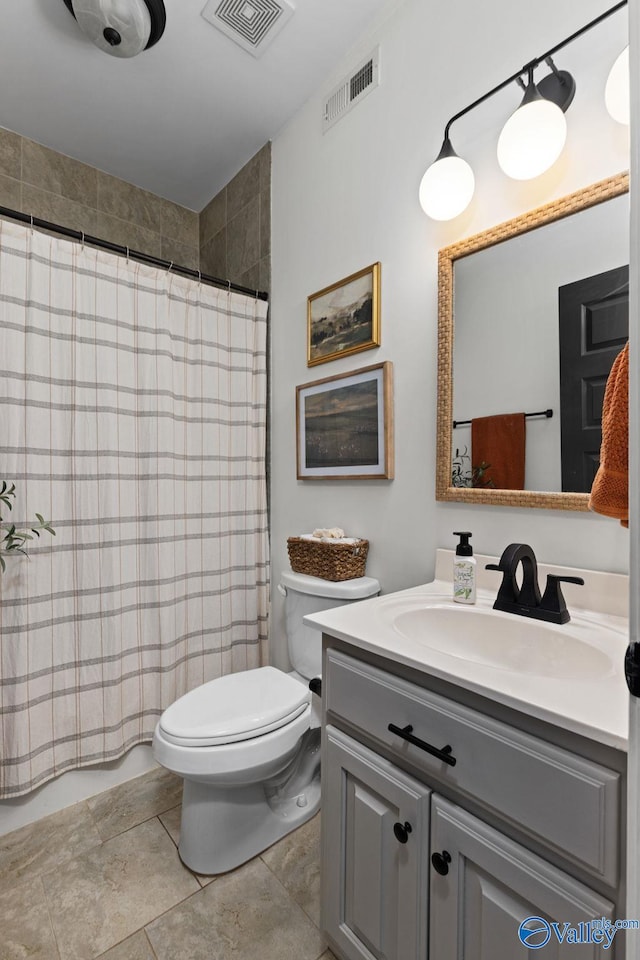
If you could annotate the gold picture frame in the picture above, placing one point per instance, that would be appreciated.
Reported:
(344, 318)
(344, 426)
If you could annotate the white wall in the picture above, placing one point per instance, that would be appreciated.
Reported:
(345, 199)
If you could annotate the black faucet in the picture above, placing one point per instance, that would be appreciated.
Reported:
(526, 600)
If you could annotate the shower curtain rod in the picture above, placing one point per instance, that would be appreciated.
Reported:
(128, 252)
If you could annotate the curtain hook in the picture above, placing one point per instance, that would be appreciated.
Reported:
(127, 256)
(83, 241)
(170, 267)
(229, 287)
(199, 278)
(31, 219)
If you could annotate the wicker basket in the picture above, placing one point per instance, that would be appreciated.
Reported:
(330, 561)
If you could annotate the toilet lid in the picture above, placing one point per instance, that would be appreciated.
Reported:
(235, 707)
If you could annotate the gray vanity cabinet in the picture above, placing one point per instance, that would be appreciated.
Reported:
(417, 858)
(491, 886)
(376, 822)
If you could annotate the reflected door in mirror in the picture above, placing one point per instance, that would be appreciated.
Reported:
(594, 327)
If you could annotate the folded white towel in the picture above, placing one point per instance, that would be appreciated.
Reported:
(329, 533)
(312, 536)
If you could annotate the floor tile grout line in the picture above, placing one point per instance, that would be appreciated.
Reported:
(144, 930)
(51, 924)
(159, 816)
(43, 871)
(289, 895)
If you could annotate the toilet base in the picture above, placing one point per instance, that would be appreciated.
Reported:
(221, 828)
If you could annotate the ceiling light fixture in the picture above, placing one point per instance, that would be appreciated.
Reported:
(531, 140)
(122, 28)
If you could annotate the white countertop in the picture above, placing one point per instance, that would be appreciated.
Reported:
(594, 706)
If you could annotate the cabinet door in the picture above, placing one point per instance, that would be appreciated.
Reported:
(374, 877)
(492, 885)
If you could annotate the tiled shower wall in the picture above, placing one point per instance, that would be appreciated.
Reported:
(235, 227)
(39, 181)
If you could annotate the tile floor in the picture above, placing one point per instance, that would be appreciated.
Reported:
(103, 879)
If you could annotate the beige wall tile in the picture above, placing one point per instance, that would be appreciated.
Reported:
(181, 254)
(265, 274)
(25, 926)
(244, 187)
(243, 240)
(44, 845)
(134, 801)
(214, 217)
(10, 193)
(265, 167)
(213, 256)
(55, 173)
(250, 278)
(60, 210)
(104, 896)
(128, 235)
(123, 200)
(244, 915)
(265, 222)
(178, 223)
(10, 154)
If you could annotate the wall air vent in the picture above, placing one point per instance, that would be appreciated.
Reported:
(351, 90)
(252, 24)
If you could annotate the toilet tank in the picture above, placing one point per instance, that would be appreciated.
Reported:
(303, 595)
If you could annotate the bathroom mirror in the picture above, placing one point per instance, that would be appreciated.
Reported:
(500, 327)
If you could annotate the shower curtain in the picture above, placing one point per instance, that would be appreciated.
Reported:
(133, 416)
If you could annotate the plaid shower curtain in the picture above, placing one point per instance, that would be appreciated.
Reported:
(133, 416)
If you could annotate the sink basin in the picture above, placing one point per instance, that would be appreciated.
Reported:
(507, 642)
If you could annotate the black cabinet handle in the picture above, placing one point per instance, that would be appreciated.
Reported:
(402, 831)
(441, 862)
(444, 753)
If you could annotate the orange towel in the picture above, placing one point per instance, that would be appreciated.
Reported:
(500, 442)
(610, 489)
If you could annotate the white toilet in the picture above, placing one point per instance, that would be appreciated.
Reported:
(248, 744)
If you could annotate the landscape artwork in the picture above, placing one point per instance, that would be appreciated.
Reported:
(344, 318)
(344, 426)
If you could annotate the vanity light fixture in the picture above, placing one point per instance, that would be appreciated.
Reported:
(447, 186)
(122, 28)
(616, 94)
(533, 137)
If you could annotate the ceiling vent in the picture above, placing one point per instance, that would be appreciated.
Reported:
(351, 90)
(252, 24)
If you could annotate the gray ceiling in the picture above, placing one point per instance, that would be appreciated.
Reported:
(181, 118)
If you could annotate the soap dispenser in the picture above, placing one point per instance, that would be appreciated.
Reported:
(464, 570)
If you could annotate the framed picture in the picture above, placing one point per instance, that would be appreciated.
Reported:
(345, 317)
(345, 426)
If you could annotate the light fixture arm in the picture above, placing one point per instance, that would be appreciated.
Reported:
(528, 68)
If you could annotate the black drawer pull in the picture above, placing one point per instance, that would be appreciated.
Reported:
(402, 831)
(441, 862)
(407, 734)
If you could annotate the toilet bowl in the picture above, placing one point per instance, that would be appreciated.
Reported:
(248, 744)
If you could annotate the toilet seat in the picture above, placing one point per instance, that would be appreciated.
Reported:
(234, 708)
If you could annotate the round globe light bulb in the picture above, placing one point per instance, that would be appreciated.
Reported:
(616, 94)
(446, 188)
(532, 139)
